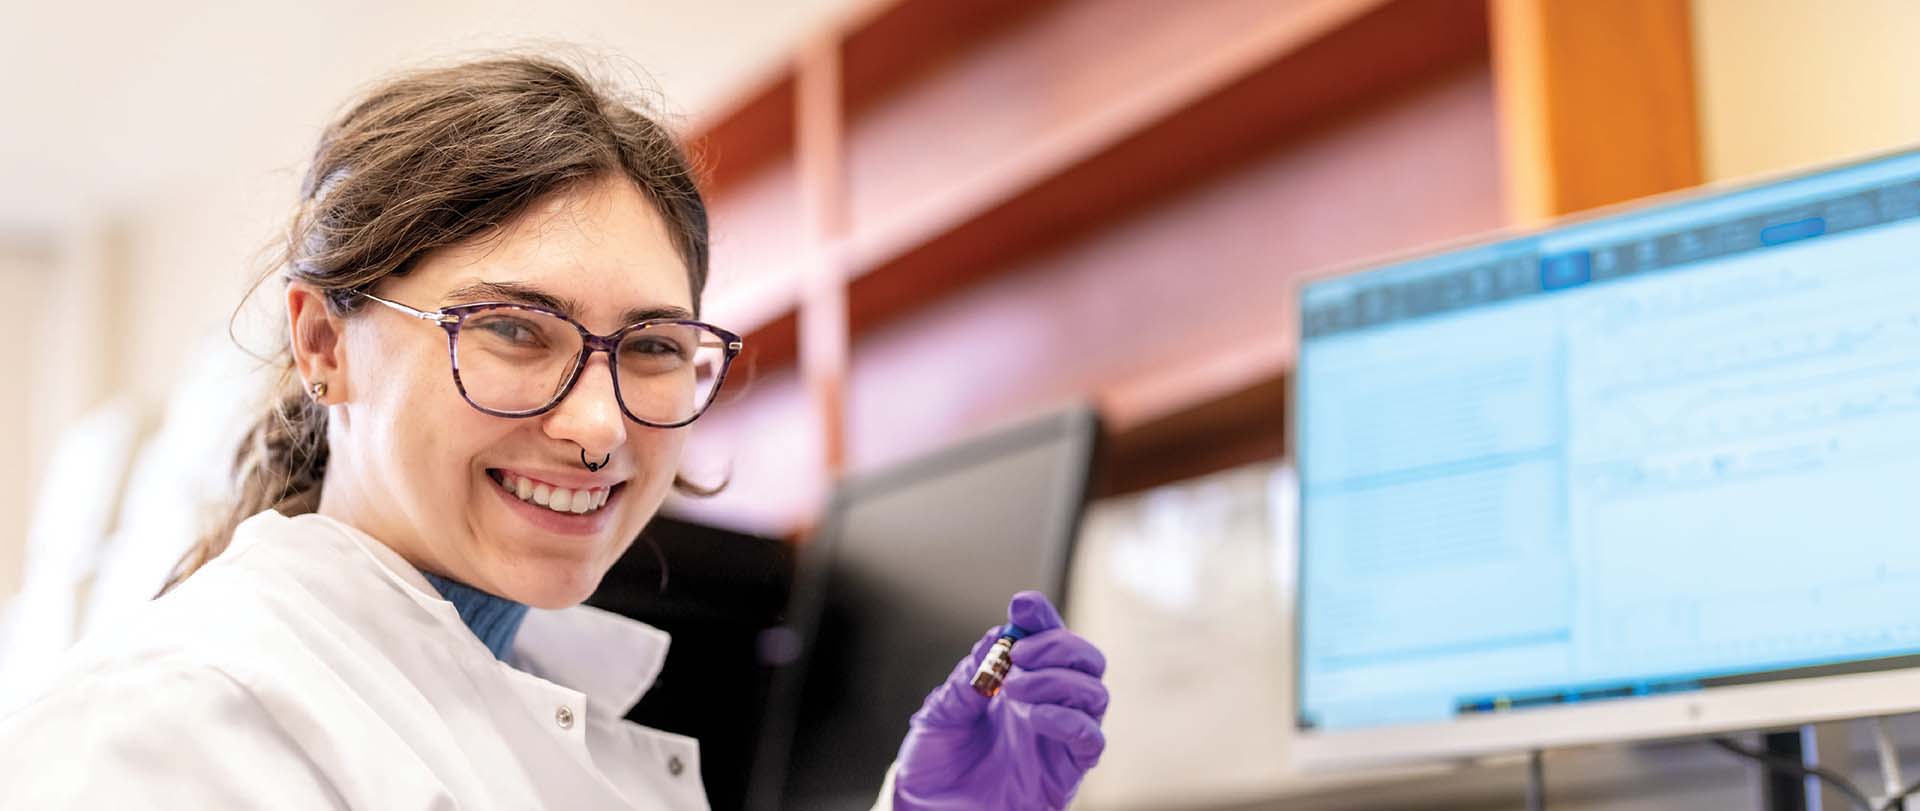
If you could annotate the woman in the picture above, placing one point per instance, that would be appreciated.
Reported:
(493, 353)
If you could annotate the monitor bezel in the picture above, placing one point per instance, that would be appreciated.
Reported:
(1709, 711)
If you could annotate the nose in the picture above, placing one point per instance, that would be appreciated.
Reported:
(590, 415)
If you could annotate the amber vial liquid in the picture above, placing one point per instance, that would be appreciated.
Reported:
(993, 669)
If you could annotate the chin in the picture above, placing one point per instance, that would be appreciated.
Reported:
(556, 602)
(551, 586)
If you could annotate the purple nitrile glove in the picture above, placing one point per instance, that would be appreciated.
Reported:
(1026, 748)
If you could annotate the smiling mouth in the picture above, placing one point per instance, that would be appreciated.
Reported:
(557, 499)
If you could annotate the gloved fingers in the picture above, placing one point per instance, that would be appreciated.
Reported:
(1058, 685)
(985, 644)
(955, 702)
(1031, 612)
(1060, 648)
(1075, 730)
(963, 672)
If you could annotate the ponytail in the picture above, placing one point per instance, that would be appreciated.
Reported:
(279, 465)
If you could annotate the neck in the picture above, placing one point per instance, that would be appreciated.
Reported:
(493, 619)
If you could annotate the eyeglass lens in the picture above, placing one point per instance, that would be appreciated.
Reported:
(517, 360)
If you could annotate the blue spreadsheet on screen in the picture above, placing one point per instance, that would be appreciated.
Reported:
(1651, 452)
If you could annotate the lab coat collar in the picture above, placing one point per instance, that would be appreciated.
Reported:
(611, 659)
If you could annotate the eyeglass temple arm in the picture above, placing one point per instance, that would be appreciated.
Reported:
(438, 318)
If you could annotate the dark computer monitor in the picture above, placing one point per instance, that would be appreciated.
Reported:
(910, 566)
(716, 592)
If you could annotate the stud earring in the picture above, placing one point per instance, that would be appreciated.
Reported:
(319, 389)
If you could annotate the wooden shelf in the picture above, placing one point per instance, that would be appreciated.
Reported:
(903, 41)
(747, 136)
(1270, 85)
(884, 44)
(1262, 87)
(1226, 429)
(927, 166)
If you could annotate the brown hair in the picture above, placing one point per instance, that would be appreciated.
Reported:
(427, 160)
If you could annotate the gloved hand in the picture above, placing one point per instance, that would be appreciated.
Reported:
(1026, 748)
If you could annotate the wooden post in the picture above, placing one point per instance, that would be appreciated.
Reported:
(821, 157)
(1597, 102)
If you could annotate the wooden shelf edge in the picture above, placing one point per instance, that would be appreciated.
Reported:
(1176, 422)
(771, 348)
(1049, 158)
(1184, 419)
(883, 42)
(894, 45)
(753, 132)
(1161, 393)
(1275, 86)
(1225, 429)
(1176, 138)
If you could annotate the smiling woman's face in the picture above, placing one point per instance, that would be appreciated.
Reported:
(413, 465)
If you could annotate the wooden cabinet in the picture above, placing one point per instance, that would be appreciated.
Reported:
(948, 214)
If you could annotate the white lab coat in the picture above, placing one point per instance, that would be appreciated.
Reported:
(311, 667)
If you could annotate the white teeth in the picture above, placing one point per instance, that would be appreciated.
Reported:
(558, 499)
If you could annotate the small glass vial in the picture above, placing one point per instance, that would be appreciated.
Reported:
(993, 669)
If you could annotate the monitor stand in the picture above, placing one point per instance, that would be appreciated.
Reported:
(1536, 781)
(1825, 746)
(1785, 792)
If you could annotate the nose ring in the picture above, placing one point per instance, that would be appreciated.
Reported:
(594, 466)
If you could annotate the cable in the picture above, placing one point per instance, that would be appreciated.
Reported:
(1898, 800)
(1798, 769)
(660, 556)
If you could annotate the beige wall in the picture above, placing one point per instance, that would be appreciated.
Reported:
(1790, 83)
(24, 274)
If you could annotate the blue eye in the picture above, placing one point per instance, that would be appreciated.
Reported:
(513, 330)
(654, 346)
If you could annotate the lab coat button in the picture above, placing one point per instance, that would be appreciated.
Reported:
(563, 717)
(674, 766)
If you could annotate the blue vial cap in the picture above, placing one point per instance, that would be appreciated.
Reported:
(1013, 632)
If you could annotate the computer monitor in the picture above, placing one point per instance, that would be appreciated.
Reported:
(910, 567)
(716, 591)
(1648, 474)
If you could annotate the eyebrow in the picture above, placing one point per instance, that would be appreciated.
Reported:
(520, 293)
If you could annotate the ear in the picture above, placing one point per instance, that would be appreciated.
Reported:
(319, 348)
